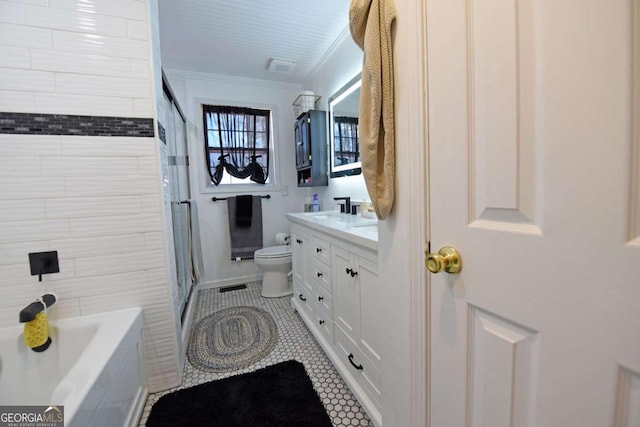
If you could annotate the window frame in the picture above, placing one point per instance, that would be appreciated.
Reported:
(206, 186)
(245, 137)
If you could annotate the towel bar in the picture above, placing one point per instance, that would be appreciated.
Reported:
(215, 199)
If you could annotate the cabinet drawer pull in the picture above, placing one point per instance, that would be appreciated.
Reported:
(299, 241)
(349, 271)
(358, 367)
(319, 274)
(320, 298)
(302, 298)
(354, 273)
(321, 322)
(318, 250)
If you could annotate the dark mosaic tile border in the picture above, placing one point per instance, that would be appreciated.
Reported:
(68, 124)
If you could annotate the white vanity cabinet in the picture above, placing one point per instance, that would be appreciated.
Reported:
(357, 314)
(337, 293)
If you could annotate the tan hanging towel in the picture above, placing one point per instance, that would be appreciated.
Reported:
(370, 23)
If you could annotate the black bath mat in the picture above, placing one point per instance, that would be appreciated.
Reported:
(280, 395)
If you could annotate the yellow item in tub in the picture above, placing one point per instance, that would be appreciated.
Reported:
(36, 332)
(36, 324)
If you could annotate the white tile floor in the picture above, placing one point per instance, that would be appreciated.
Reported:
(295, 342)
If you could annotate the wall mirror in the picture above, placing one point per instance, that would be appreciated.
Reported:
(344, 106)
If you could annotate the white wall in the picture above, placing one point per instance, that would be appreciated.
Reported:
(96, 200)
(341, 63)
(194, 89)
(401, 241)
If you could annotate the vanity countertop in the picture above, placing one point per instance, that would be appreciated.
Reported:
(355, 228)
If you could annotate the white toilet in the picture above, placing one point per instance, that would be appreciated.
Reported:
(275, 263)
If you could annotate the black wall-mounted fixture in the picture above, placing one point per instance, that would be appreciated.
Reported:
(43, 263)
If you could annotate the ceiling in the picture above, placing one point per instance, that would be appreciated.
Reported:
(239, 37)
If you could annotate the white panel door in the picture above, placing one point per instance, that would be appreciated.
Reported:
(534, 157)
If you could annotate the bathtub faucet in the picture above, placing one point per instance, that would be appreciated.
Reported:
(36, 324)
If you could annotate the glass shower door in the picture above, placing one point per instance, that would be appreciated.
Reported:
(176, 138)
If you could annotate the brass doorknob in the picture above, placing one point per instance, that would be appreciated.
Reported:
(447, 259)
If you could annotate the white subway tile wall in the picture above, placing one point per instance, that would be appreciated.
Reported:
(44, 145)
(65, 62)
(51, 50)
(83, 207)
(14, 57)
(26, 80)
(23, 36)
(77, 104)
(97, 200)
(19, 102)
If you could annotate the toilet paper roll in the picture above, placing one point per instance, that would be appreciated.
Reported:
(282, 238)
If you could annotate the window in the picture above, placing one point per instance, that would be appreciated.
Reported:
(345, 135)
(237, 144)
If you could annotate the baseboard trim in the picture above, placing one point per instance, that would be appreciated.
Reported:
(229, 282)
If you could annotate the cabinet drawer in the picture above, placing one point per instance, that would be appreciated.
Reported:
(325, 325)
(320, 250)
(367, 375)
(323, 301)
(304, 299)
(321, 274)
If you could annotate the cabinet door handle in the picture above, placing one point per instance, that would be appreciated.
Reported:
(358, 367)
(302, 298)
(319, 274)
(354, 273)
(299, 241)
(349, 271)
(318, 250)
(321, 322)
(320, 298)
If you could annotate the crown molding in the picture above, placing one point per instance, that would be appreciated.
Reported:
(344, 34)
(221, 78)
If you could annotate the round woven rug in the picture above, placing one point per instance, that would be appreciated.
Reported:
(232, 338)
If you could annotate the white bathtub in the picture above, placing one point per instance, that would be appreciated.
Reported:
(93, 367)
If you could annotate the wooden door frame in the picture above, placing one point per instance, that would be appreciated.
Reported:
(410, 67)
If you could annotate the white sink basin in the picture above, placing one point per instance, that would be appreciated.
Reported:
(350, 220)
(366, 223)
(329, 215)
(355, 228)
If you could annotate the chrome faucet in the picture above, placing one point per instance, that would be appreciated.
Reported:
(347, 204)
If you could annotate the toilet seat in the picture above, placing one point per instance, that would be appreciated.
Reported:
(273, 252)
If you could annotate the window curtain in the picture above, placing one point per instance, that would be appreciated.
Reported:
(237, 141)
